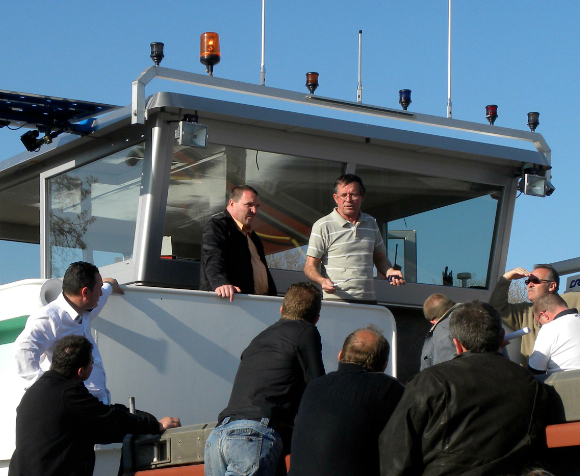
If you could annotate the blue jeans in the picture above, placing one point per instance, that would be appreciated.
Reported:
(242, 448)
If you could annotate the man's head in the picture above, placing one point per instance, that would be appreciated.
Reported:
(547, 307)
(367, 347)
(82, 283)
(543, 280)
(349, 193)
(243, 204)
(436, 306)
(302, 302)
(476, 326)
(73, 358)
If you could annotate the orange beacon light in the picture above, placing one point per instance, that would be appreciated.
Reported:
(209, 50)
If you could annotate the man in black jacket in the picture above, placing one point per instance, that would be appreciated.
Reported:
(342, 414)
(255, 429)
(232, 255)
(58, 419)
(478, 414)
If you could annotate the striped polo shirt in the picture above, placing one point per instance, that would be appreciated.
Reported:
(346, 250)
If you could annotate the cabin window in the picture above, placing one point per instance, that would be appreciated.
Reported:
(446, 223)
(294, 193)
(92, 211)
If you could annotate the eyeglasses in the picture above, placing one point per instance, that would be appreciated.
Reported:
(353, 196)
(535, 280)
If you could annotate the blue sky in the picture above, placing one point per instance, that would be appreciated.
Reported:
(521, 55)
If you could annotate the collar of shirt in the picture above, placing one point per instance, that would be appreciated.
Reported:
(61, 302)
(343, 221)
(567, 311)
(241, 226)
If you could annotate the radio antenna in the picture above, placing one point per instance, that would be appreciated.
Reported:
(263, 66)
(359, 87)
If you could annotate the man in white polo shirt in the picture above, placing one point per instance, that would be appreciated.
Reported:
(345, 245)
(557, 347)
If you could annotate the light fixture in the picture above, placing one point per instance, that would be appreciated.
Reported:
(532, 183)
(491, 113)
(190, 133)
(209, 50)
(533, 120)
(311, 81)
(157, 52)
(31, 141)
(405, 98)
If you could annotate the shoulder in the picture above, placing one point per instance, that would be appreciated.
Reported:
(325, 222)
(366, 218)
(219, 219)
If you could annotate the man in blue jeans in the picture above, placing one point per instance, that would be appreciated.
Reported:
(255, 429)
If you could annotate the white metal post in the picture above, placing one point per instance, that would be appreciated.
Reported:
(449, 66)
(263, 67)
(359, 87)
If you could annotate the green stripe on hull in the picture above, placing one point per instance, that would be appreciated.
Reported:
(11, 328)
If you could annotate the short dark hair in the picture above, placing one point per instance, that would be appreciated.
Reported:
(70, 354)
(302, 302)
(549, 302)
(347, 179)
(237, 192)
(552, 274)
(436, 306)
(372, 354)
(477, 326)
(78, 276)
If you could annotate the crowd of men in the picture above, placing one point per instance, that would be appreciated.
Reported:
(469, 411)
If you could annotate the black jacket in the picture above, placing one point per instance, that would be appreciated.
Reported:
(57, 424)
(226, 258)
(339, 421)
(478, 414)
(273, 373)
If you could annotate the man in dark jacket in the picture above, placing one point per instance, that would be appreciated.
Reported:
(58, 419)
(232, 255)
(256, 427)
(357, 400)
(477, 414)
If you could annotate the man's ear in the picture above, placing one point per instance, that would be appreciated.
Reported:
(459, 347)
(84, 292)
(281, 309)
(316, 320)
(340, 355)
(552, 288)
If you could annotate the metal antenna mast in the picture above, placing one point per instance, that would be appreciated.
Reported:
(449, 66)
(359, 88)
(263, 67)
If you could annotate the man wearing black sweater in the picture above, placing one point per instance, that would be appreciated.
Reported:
(255, 429)
(342, 414)
(58, 419)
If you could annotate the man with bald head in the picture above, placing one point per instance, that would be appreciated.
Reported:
(557, 346)
(544, 279)
(342, 414)
(438, 346)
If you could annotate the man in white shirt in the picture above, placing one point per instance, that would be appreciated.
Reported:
(557, 347)
(84, 293)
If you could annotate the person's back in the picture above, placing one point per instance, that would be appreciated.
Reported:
(490, 412)
(477, 414)
(342, 414)
(272, 375)
(53, 440)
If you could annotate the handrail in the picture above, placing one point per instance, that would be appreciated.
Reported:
(138, 105)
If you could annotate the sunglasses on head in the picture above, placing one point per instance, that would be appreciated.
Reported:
(535, 280)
